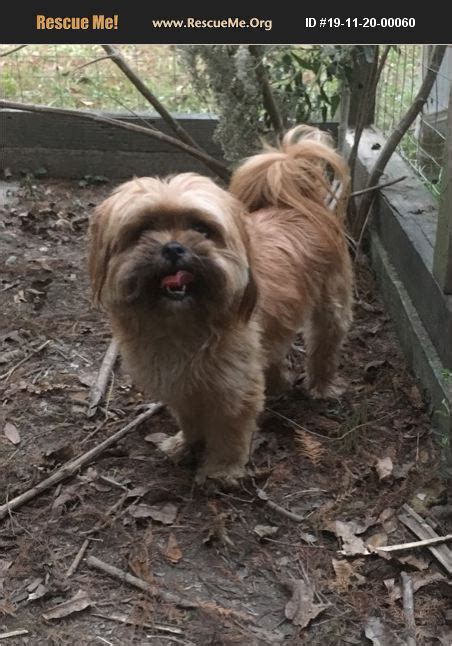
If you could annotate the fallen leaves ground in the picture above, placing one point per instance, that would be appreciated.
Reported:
(344, 468)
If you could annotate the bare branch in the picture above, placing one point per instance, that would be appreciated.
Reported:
(70, 468)
(11, 51)
(408, 609)
(143, 89)
(268, 97)
(164, 595)
(100, 385)
(378, 186)
(217, 167)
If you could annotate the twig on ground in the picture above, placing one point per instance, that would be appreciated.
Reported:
(153, 591)
(108, 515)
(70, 468)
(14, 633)
(280, 510)
(113, 482)
(400, 547)
(8, 374)
(125, 619)
(408, 609)
(103, 376)
(378, 186)
(216, 166)
(422, 530)
(409, 546)
(78, 557)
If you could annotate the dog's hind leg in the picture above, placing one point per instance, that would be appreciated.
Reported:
(324, 333)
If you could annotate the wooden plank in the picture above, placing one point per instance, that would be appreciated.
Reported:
(75, 164)
(28, 130)
(357, 94)
(405, 217)
(442, 261)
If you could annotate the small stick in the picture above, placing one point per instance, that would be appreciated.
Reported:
(100, 385)
(124, 619)
(408, 546)
(14, 633)
(104, 521)
(8, 374)
(167, 597)
(377, 187)
(69, 468)
(153, 591)
(422, 530)
(280, 510)
(408, 609)
(76, 562)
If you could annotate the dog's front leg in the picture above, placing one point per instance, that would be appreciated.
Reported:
(227, 445)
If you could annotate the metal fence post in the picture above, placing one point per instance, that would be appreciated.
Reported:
(442, 262)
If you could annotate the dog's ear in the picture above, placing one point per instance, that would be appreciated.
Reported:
(249, 298)
(99, 251)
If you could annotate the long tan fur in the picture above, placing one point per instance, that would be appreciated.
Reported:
(266, 260)
(300, 259)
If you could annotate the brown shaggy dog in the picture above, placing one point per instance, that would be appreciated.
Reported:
(205, 299)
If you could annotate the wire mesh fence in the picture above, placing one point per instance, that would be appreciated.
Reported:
(423, 145)
(82, 76)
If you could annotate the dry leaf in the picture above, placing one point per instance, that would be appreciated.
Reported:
(265, 530)
(375, 631)
(377, 540)
(414, 561)
(173, 552)
(403, 470)
(139, 492)
(384, 468)
(77, 603)
(351, 544)
(301, 609)
(165, 514)
(419, 580)
(346, 576)
(388, 520)
(415, 397)
(11, 433)
(38, 593)
(156, 438)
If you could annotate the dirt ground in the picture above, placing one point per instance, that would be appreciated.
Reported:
(253, 574)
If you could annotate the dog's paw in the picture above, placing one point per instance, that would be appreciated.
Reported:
(175, 447)
(330, 390)
(227, 476)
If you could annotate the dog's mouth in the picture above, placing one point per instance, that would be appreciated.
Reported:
(177, 286)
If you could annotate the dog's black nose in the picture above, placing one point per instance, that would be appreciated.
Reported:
(173, 250)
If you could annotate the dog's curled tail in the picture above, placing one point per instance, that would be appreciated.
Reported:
(303, 171)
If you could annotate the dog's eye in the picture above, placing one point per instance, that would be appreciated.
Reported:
(202, 228)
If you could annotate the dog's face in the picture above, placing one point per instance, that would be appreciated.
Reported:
(171, 246)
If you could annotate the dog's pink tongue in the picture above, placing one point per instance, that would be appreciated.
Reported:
(178, 280)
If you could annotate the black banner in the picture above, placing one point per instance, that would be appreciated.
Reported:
(120, 22)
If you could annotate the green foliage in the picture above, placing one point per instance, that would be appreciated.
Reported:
(306, 82)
